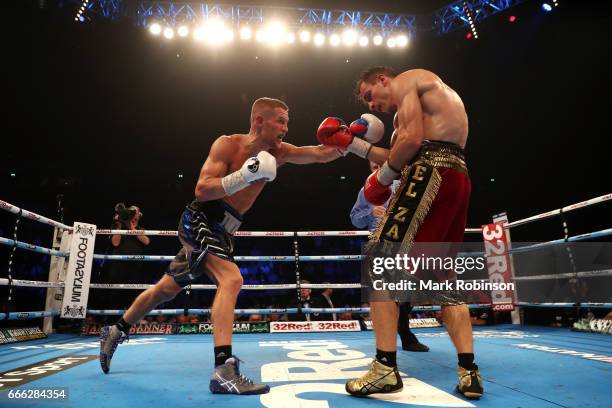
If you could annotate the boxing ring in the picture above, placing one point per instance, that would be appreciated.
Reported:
(522, 365)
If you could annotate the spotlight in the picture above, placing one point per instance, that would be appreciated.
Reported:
(183, 31)
(260, 36)
(246, 33)
(199, 34)
(349, 37)
(546, 7)
(169, 33)
(319, 39)
(216, 33)
(304, 36)
(290, 38)
(276, 33)
(391, 43)
(512, 19)
(401, 40)
(468, 36)
(377, 40)
(334, 40)
(363, 41)
(155, 29)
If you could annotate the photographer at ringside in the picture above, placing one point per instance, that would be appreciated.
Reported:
(125, 218)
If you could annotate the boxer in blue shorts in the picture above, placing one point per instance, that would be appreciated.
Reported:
(234, 174)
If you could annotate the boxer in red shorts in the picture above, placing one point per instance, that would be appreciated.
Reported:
(431, 129)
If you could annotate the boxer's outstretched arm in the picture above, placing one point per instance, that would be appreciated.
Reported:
(307, 154)
(215, 167)
(410, 131)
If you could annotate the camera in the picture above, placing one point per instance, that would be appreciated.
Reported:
(124, 215)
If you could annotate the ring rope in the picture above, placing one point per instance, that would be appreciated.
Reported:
(567, 275)
(32, 247)
(552, 213)
(365, 310)
(286, 258)
(36, 217)
(33, 216)
(44, 284)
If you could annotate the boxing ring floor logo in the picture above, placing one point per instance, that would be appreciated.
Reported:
(322, 366)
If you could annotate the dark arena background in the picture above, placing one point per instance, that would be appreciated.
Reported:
(116, 101)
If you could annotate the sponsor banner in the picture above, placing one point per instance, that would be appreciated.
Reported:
(76, 290)
(499, 265)
(426, 322)
(20, 334)
(259, 328)
(89, 329)
(414, 323)
(36, 371)
(207, 328)
(320, 326)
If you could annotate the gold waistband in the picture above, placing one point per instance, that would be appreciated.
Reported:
(442, 155)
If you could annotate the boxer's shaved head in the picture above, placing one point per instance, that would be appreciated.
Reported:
(265, 106)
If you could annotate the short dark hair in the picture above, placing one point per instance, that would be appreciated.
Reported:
(269, 103)
(370, 74)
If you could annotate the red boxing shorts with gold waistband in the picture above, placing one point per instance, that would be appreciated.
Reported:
(429, 206)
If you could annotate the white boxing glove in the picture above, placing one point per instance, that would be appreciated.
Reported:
(260, 167)
(368, 127)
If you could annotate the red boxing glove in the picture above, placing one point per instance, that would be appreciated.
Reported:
(333, 132)
(377, 189)
(375, 192)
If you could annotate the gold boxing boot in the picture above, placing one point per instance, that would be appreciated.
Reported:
(379, 379)
(469, 383)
